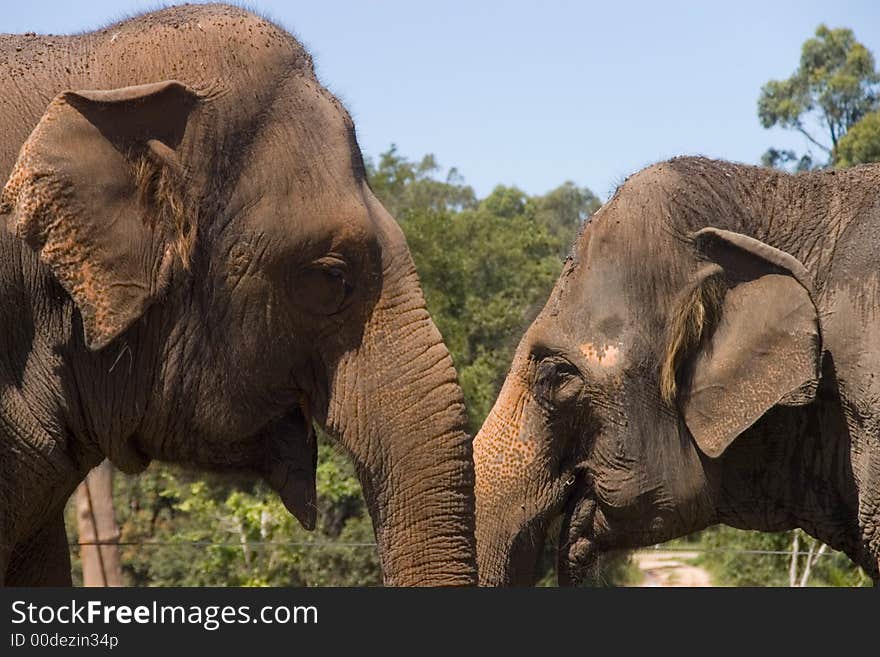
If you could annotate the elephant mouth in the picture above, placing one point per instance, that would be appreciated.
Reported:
(291, 459)
(578, 553)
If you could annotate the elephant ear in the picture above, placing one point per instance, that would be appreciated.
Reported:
(99, 192)
(766, 345)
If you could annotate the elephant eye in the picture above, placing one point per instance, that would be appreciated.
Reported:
(324, 287)
(557, 383)
(338, 276)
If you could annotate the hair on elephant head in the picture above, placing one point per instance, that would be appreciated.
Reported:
(230, 277)
(681, 375)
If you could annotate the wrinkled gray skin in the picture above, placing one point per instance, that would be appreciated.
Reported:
(192, 267)
(774, 421)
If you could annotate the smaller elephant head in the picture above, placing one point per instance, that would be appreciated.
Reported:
(668, 335)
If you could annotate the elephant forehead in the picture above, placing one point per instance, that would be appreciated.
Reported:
(301, 176)
(602, 355)
(323, 223)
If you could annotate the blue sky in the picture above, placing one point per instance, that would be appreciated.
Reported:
(535, 93)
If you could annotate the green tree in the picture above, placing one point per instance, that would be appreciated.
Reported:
(835, 85)
(861, 143)
(406, 186)
(190, 529)
(564, 211)
(748, 558)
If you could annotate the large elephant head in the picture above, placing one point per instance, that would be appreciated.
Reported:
(203, 201)
(668, 335)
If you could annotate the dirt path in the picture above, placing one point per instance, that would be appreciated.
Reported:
(670, 569)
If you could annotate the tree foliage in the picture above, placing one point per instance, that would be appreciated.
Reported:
(181, 528)
(405, 186)
(835, 85)
(861, 144)
(748, 558)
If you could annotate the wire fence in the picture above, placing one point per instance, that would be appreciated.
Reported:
(334, 544)
(203, 544)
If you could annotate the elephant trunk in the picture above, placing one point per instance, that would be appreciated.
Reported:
(510, 527)
(397, 408)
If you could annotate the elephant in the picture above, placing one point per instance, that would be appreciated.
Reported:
(194, 270)
(707, 356)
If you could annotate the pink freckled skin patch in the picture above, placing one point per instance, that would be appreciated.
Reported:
(606, 355)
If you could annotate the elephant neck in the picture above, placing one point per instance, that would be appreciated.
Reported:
(794, 469)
